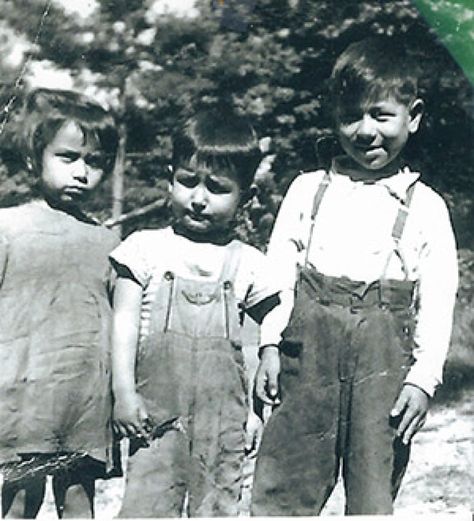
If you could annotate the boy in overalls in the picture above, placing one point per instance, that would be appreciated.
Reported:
(178, 375)
(370, 252)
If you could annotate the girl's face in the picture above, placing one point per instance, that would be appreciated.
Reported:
(204, 203)
(72, 165)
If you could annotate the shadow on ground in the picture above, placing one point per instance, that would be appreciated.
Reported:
(458, 378)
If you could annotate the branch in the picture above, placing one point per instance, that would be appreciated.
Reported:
(160, 204)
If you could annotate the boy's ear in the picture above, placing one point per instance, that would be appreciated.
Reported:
(248, 195)
(29, 163)
(416, 111)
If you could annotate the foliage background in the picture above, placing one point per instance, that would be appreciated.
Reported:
(271, 58)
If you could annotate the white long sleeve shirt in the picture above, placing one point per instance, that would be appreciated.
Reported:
(352, 237)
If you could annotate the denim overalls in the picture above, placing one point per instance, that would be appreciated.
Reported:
(345, 353)
(190, 373)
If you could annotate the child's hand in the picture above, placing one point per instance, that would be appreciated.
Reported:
(266, 378)
(253, 434)
(411, 408)
(130, 415)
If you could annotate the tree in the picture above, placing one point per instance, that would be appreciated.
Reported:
(271, 59)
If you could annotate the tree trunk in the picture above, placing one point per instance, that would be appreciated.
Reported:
(118, 181)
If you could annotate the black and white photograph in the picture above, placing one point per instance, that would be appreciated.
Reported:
(236, 259)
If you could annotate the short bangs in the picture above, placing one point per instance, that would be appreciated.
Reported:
(46, 110)
(373, 69)
(218, 140)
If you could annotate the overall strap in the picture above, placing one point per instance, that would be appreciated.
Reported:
(323, 186)
(231, 262)
(227, 279)
(400, 221)
(398, 228)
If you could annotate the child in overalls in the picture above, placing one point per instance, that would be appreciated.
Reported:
(371, 253)
(55, 396)
(178, 375)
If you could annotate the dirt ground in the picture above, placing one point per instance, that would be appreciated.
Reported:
(440, 476)
(439, 480)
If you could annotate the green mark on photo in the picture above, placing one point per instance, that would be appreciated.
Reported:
(453, 21)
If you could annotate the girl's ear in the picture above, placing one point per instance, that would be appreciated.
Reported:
(416, 111)
(169, 176)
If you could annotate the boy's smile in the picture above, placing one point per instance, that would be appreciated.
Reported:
(204, 203)
(374, 134)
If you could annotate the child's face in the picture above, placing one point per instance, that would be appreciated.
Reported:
(204, 202)
(71, 165)
(374, 134)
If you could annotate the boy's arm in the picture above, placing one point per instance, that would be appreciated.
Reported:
(438, 282)
(282, 259)
(129, 409)
(273, 324)
(410, 411)
(286, 247)
(438, 278)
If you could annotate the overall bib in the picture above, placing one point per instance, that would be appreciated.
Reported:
(345, 354)
(190, 373)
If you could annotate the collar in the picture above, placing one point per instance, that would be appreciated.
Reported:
(397, 184)
(71, 211)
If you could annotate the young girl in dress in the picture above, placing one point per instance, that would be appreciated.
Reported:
(178, 378)
(54, 308)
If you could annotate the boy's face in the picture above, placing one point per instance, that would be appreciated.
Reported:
(72, 165)
(204, 202)
(374, 133)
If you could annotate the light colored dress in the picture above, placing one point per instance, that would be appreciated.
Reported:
(54, 333)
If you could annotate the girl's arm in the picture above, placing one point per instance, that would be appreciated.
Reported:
(129, 410)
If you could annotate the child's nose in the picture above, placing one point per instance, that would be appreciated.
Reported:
(199, 198)
(366, 128)
(81, 171)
